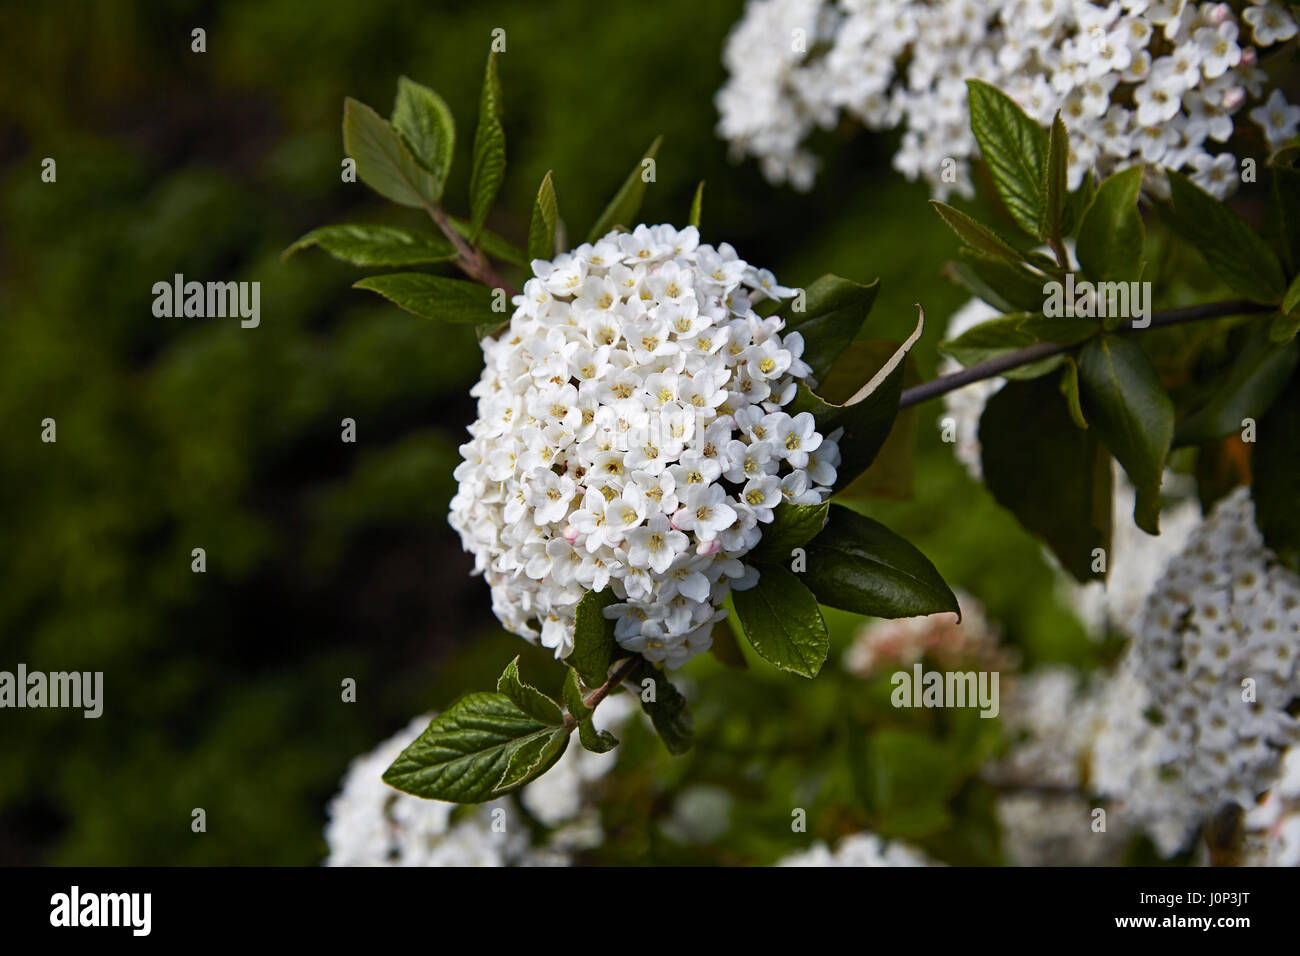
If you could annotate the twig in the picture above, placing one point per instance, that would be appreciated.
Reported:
(1042, 350)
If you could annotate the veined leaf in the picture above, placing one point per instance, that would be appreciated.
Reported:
(1111, 234)
(1133, 415)
(434, 297)
(1015, 149)
(593, 638)
(835, 309)
(423, 121)
(781, 619)
(859, 565)
(365, 245)
(384, 162)
(541, 231)
(489, 167)
(527, 697)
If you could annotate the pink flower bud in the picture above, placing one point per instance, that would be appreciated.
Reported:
(709, 547)
(1233, 98)
(570, 533)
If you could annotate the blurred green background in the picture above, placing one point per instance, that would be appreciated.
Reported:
(328, 560)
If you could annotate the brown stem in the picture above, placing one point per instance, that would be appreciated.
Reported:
(605, 689)
(470, 259)
(1042, 350)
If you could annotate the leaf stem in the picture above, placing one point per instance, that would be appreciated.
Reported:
(604, 690)
(470, 259)
(1042, 350)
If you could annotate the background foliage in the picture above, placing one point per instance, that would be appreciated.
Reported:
(328, 560)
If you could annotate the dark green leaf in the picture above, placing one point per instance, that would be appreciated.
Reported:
(859, 565)
(1276, 485)
(626, 204)
(434, 297)
(363, 245)
(1231, 247)
(463, 753)
(1133, 416)
(668, 713)
(697, 205)
(1063, 331)
(1014, 148)
(781, 619)
(527, 697)
(1111, 234)
(1055, 188)
(489, 167)
(1253, 382)
(835, 309)
(1015, 285)
(725, 647)
(979, 237)
(1055, 478)
(593, 638)
(423, 121)
(597, 741)
(792, 526)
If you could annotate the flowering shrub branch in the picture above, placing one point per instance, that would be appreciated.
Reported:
(662, 426)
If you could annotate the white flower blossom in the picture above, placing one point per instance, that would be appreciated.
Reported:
(631, 435)
(797, 65)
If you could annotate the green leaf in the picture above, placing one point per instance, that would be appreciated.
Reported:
(423, 121)
(1014, 148)
(979, 237)
(1286, 201)
(1291, 300)
(792, 526)
(1253, 382)
(363, 245)
(1284, 327)
(434, 297)
(1111, 235)
(781, 619)
(1133, 415)
(527, 697)
(1055, 188)
(1276, 485)
(496, 246)
(597, 741)
(834, 310)
(1064, 330)
(1005, 286)
(623, 208)
(1231, 247)
(859, 565)
(697, 205)
(1055, 478)
(593, 638)
(464, 752)
(572, 694)
(867, 417)
(989, 339)
(489, 167)
(541, 231)
(531, 759)
(667, 712)
(384, 162)
(1070, 389)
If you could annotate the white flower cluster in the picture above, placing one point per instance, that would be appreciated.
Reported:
(371, 824)
(860, 849)
(630, 435)
(1136, 81)
(1197, 718)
